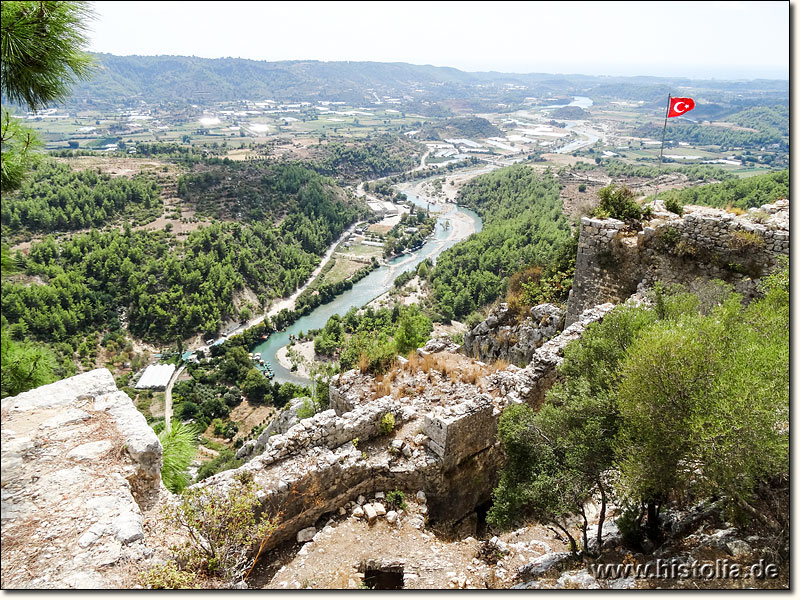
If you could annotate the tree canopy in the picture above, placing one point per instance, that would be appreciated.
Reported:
(41, 57)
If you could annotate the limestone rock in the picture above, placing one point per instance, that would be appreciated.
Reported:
(543, 564)
(739, 548)
(306, 535)
(580, 580)
(89, 450)
(128, 528)
(370, 513)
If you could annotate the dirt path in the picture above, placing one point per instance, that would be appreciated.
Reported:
(168, 398)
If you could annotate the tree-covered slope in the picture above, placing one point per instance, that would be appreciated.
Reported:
(56, 198)
(740, 193)
(523, 224)
(172, 289)
(460, 127)
(193, 80)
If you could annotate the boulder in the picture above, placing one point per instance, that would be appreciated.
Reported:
(538, 567)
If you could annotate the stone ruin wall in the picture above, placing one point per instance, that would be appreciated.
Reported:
(499, 336)
(451, 451)
(703, 244)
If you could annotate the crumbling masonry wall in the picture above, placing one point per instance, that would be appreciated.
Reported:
(450, 451)
(703, 244)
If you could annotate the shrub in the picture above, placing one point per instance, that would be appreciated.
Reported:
(306, 410)
(223, 529)
(673, 205)
(630, 527)
(618, 202)
(396, 499)
(222, 462)
(168, 577)
(745, 241)
(387, 423)
(668, 237)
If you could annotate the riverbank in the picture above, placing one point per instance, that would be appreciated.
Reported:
(452, 183)
(304, 351)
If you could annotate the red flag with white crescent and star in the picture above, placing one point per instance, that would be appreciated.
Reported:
(678, 106)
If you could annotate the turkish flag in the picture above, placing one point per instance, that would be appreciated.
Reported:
(678, 106)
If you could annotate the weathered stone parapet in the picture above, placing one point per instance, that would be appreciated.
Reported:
(341, 399)
(457, 432)
(703, 244)
(80, 469)
(328, 430)
(97, 391)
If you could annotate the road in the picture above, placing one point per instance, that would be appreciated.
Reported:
(289, 302)
(168, 398)
(422, 164)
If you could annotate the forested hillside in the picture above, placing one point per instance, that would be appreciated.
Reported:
(186, 79)
(172, 289)
(370, 159)
(710, 135)
(461, 127)
(739, 193)
(619, 168)
(56, 198)
(523, 224)
(262, 191)
(763, 117)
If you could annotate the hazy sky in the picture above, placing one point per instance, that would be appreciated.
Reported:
(693, 39)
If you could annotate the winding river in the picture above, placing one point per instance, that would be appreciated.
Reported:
(374, 284)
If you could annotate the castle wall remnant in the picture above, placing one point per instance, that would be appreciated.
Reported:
(703, 244)
(458, 432)
(444, 442)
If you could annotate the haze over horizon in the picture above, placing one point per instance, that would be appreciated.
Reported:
(649, 39)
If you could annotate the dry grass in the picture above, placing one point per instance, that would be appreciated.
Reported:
(433, 362)
(412, 366)
(471, 375)
(735, 210)
(498, 365)
(382, 386)
(363, 362)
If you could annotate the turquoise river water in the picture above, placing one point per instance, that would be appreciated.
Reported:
(369, 288)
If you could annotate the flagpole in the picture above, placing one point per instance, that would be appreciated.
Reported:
(661, 154)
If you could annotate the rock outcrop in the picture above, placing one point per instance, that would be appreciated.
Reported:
(498, 337)
(80, 467)
(530, 384)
